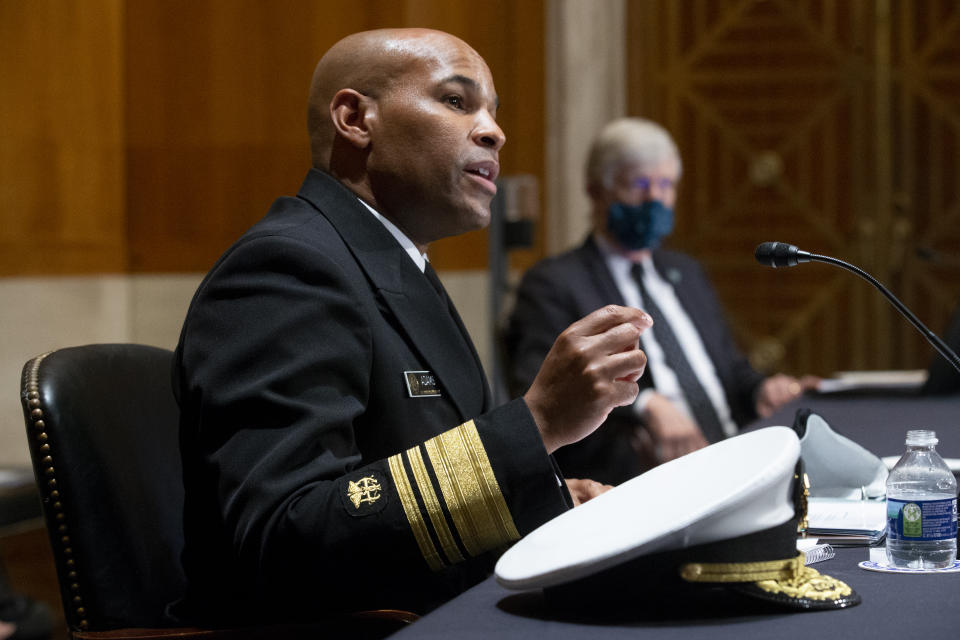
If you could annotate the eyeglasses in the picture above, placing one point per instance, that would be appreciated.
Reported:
(647, 184)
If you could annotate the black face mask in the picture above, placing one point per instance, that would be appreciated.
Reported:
(639, 226)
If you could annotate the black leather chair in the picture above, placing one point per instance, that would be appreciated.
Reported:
(102, 424)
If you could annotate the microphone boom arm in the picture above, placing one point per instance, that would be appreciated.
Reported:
(780, 254)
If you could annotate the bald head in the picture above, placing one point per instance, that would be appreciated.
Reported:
(406, 119)
(369, 62)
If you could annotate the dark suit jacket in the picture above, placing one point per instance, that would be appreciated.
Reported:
(314, 480)
(561, 289)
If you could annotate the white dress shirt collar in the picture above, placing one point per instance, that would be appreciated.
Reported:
(420, 259)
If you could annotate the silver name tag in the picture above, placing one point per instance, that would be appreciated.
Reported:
(421, 384)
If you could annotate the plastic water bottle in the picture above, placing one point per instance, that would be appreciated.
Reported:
(921, 507)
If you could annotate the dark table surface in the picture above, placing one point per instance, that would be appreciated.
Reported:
(880, 421)
(894, 606)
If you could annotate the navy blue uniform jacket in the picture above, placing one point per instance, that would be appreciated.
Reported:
(320, 474)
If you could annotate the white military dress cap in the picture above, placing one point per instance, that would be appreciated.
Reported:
(727, 514)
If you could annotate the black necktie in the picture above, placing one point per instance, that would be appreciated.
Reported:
(703, 410)
(436, 284)
(434, 281)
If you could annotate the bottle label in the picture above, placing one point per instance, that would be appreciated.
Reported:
(921, 520)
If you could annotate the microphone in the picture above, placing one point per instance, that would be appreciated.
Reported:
(781, 254)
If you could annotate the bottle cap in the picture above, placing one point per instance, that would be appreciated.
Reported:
(921, 438)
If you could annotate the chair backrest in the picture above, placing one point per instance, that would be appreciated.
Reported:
(102, 425)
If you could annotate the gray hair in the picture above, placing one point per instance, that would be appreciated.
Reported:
(628, 141)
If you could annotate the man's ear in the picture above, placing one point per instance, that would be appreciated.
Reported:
(350, 111)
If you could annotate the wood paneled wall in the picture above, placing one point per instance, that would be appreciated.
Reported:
(830, 125)
(61, 137)
(145, 135)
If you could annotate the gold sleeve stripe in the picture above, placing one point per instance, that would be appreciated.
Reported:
(453, 496)
(470, 490)
(434, 510)
(414, 517)
(492, 495)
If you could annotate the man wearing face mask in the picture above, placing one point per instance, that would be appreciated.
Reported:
(698, 386)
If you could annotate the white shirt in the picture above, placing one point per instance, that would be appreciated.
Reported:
(420, 259)
(665, 379)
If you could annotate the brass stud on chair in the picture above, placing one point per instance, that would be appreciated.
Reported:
(35, 404)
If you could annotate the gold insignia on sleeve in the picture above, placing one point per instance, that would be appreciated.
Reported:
(414, 515)
(467, 492)
(434, 510)
(365, 489)
(470, 490)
